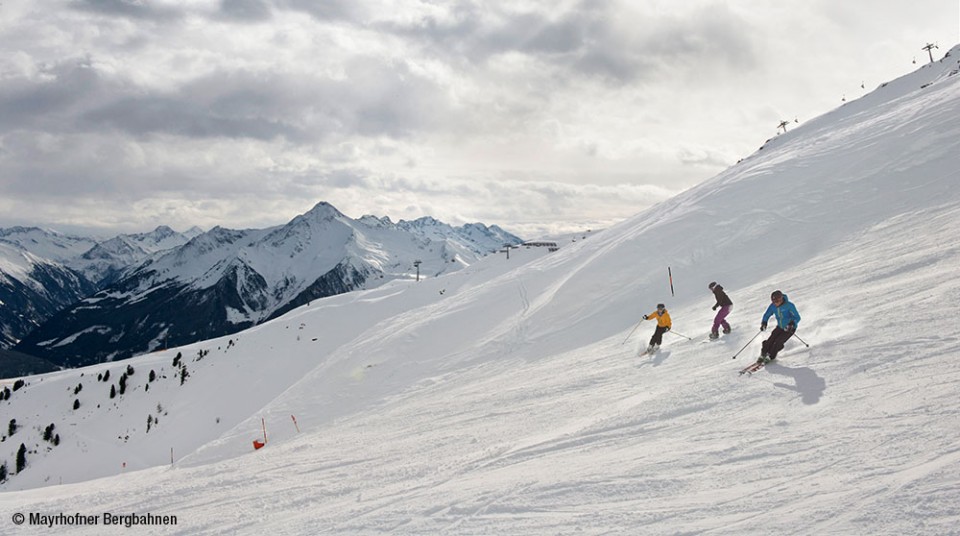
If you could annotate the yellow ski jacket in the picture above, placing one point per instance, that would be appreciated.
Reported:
(663, 320)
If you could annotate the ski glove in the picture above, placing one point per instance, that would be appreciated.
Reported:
(645, 317)
(791, 327)
(714, 307)
(666, 329)
(763, 326)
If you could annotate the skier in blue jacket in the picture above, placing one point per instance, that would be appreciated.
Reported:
(787, 320)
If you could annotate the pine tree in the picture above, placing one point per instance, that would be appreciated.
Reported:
(106, 376)
(12, 427)
(113, 391)
(21, 458)
(17, 385)
(183, 375)
(76, 404)
(123, 383)
(176, 360)
(56, 440)
(48, 432)
(153, 376)
(3, 472)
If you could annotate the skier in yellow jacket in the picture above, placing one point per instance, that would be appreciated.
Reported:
(663, 326)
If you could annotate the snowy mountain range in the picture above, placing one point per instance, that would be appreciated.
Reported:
(509, 397)
(43, 271)
(223, 281)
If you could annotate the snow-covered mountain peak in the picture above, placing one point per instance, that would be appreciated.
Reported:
(47, 244)
(423, 221)
(322, 211)
(210, 240)
(372, 221)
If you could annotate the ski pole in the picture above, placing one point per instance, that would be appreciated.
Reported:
(748, 344)
(680, 335)
(795, 336)
(631, 331)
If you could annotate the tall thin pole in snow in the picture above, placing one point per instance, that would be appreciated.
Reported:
(929, 48)
(670, 273)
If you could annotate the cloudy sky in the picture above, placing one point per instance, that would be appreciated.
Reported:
(539, 116)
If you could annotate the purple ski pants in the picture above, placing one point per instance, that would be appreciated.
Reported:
(720, 319)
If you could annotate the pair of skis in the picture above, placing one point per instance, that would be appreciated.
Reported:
(751, 368)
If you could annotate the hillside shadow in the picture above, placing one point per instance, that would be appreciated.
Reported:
(810, 386)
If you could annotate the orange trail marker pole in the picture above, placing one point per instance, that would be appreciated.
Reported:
(295, 423)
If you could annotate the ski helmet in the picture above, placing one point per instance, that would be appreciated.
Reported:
(776, 295)
(661, 306)
(711, 285)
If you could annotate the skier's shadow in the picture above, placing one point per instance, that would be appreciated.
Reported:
(808, 384)
(660, 357)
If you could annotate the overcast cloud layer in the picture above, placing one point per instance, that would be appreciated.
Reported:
(120, 115)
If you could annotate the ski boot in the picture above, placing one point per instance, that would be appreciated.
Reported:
(714, 335)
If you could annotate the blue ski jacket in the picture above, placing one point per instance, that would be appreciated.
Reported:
(786, 313)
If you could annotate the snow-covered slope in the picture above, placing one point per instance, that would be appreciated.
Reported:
(511, 401)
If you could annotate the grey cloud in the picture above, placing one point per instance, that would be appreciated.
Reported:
(62, 168)
(609, 40)
(347, 178)
(376, 98)
(348, 10)
(702, 157)
(148, 115)
(643, 49)
(713, 35)
(73, 97)
(32, 103)
(132, 9)
(245, 10)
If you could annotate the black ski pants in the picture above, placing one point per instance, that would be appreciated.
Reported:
(658, 335)
(774, 343)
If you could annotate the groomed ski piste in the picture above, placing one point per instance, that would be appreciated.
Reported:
(504, 399)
